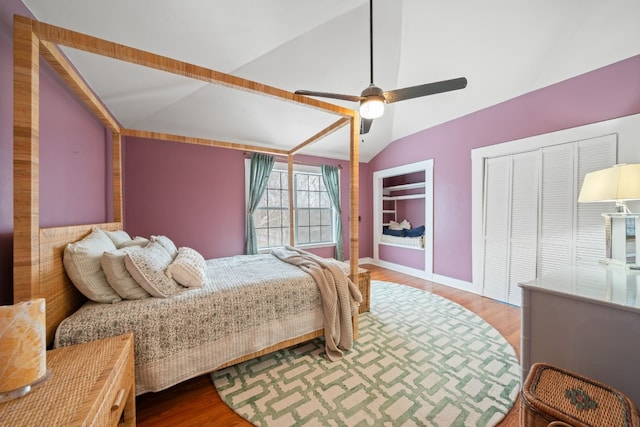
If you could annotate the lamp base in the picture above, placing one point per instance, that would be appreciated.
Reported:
(22, 391)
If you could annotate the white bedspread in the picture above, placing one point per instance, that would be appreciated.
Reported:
(248, 303)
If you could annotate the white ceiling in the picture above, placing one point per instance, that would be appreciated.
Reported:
(504, 48)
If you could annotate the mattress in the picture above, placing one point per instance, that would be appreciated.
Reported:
(248, 303)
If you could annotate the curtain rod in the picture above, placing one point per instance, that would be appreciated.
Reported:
(279, 158)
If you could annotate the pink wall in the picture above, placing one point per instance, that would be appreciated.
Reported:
(72, 172)
(603, 94)
(75, 179)
(195, 195)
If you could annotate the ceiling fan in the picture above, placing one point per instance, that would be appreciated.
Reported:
(373, 98)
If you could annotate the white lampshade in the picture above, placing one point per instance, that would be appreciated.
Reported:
(372, 107)
(617, 183)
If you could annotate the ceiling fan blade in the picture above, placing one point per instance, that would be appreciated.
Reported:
(365, 125)
(353, 98)
(424, 90)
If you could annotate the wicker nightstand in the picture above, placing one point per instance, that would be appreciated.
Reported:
(90, 384)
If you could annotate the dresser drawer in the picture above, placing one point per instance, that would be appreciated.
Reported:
(91, 384)
(120, 395)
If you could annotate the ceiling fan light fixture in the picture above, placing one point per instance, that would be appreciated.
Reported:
(372, 107)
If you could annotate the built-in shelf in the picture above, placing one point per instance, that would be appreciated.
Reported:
(405, 197)
(388, 190)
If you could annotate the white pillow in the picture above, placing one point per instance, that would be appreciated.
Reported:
(166, 243)
(118, 277)
(147, 266)
(138, 241)
(393, 225)
(406, 225)
(118, 237)
(188, 268)
(82, 264)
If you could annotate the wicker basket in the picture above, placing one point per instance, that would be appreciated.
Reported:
(552, 396)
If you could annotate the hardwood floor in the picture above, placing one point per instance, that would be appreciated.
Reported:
(196, 402)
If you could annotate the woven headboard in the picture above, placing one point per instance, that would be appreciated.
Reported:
(62, 298)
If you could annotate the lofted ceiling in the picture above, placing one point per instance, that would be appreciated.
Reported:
(504, 48)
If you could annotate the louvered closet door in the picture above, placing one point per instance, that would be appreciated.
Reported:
(557, 201)
(523, 224)
(592, 155)
(497, 191)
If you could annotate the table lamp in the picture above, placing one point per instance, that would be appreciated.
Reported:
(617, 184)
(22, 348)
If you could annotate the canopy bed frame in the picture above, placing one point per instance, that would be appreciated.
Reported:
(38, 270)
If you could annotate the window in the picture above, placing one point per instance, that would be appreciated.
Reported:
(313, 216)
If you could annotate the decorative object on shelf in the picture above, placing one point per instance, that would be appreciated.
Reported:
(22, 348)
(617, 184)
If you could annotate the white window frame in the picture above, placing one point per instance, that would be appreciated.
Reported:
(297, 168)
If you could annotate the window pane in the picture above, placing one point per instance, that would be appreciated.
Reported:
(326, 217)
(274, 180)
(303, 217)
(325, 202)
(262, 237)
(275, 218)
(327, 235)
(303, 235)
(260, 218)
(302, 200)
(314, 184)
(275, 237)
(314, 200)
(273, 198)
(285, 236)
(314, 217)
(302, 181)
(314, 234)
(285, 199)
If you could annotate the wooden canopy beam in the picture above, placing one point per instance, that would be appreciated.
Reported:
(203, 141)
(57, 60)
(324, 132)
(76, 40)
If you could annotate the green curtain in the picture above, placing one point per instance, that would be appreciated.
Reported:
(332, 184)
(261, 167)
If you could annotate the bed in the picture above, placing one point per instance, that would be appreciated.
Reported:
(243, 305)
(38, 252)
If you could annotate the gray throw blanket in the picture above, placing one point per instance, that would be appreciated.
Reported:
(340, 297)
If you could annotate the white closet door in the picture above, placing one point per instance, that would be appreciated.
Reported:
(592, 155)
(497, 192)
(557, 201)
(523, 223)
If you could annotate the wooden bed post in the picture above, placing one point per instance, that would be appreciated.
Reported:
(116, 167)
(26, 191)
(354, 187)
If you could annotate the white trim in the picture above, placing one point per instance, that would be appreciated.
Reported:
(378, 176)
(463, 285)
(401, 269)
(627, 128)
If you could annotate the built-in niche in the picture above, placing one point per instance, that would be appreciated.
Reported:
(403, 218)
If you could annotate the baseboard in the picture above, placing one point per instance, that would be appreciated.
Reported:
(438, 278)
(454, 283)
(401, 269)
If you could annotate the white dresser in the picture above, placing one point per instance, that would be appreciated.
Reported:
(585, 318)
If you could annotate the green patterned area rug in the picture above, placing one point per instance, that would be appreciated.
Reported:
(421, 360)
